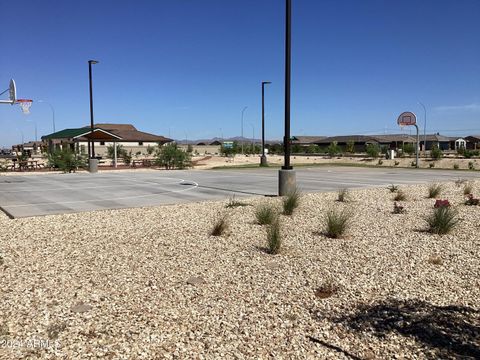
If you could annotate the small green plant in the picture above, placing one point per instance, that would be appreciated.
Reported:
(219, 226)
(373, 150)
(291, 202)
(333, 149)
(471, 165)
(342, 195)
(396, 163)
(442, 220)
(400, 196)
(393, 188)
(380, 162)
(431, 165)
(468, 188)
(265, 214)
(233, 203)
(337, 223)
(274, 237)
(436, 153)
(455, 166)
(434, 190)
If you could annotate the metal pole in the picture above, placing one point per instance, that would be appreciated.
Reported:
(115, 153)
(418, 146)
(286, 175)
(263, 158)
(53, 112)
(288, 56)
(90, 62)
(245, 108)
(424, 130)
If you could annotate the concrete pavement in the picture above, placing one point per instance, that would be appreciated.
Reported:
(32, 195)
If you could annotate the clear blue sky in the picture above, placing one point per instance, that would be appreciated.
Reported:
(189, 67)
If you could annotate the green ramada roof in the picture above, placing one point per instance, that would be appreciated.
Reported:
(71, 133)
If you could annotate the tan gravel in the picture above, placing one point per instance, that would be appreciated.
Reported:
(151, 283)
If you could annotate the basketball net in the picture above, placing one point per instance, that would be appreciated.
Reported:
(25, 105)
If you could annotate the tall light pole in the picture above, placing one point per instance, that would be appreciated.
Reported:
(92, 162)
(286, 176)
(253, 136)
(424, 130)
(53, 112)
(243, 111)
(263, 158)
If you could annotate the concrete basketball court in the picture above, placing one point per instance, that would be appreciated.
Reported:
(46, 194)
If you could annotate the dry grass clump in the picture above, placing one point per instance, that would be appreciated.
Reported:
(468, 188)
(233, 203)
(326, 289)
(434, 190)
(342, 195)
(400, 196)
(442, 220)
(274, 237)
(337, 222)
(221, 224)
(291, 202)
(435, 260)
(393, 188)
(265, 214)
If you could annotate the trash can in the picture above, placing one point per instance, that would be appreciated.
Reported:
(93, 165)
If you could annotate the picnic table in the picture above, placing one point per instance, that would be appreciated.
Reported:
(143, 162)
(28, 165)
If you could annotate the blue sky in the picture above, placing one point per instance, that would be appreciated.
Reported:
(186, 68)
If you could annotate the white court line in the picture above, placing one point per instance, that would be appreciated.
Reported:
(99, 200)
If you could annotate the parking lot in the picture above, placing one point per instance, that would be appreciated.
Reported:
(46, 194)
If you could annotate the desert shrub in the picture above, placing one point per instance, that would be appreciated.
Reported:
(380, 162)
(435, 260)
(171, 156)
(471, 200)
(265, 214)
(434, 190)
(436, 153)
(431, 165)
(274, 237)
(441, 203)
(471, 165)
(337, 222)
(413, 163)
(373, 150)
(455, 166)
(233, 203)
(333, 149)
(350, 147)
(467, 188)
(442, 220)
(342, 195)
(398, 209)
(150, 149)
(408, 148)
(219, 226)
(396, 163)
(400, 196)
(393, 188)
(66, 160)
(291, 202)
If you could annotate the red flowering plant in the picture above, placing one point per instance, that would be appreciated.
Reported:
(441, 203)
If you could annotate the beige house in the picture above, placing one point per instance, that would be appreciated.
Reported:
(103, 136)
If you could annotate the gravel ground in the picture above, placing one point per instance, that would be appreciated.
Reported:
(152, 283)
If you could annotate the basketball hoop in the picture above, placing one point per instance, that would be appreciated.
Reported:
(24, 104)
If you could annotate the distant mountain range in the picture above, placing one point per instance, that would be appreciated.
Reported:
(236, 138)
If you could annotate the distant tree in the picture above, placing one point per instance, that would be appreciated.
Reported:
(333, 149)
(172, 157)
(350, 147)
(121, 151)
(408, 148)
(436, 152)
(312, 149)
(373, 150)
(150, 149)
(275, 149)
(66, 160)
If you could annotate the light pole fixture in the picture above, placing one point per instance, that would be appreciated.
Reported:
(424, 129)
(90, 62)
(253, 136)
(286, 176)
(53, 112)
(243, 111)
(263, 158)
